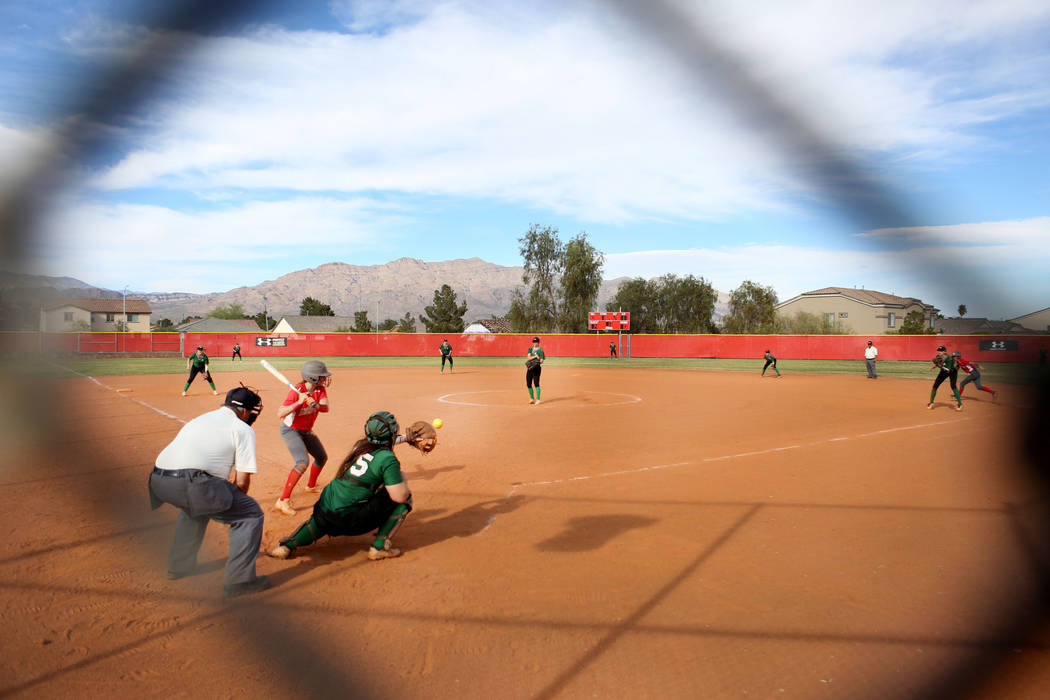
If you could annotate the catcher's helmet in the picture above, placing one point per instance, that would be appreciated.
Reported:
(314, 370)
(381, 428)
(247, 399)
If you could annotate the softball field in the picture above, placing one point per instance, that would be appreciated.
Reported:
(640, 534)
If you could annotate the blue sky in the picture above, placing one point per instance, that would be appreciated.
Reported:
(361, 132)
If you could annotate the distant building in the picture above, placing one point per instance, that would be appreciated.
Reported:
(866, 311)
(219, 325)
(1036, 321)
(98, 315)
(313, 324)
(489, 325)
(976, 326)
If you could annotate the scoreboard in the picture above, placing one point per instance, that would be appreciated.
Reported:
(609, 320)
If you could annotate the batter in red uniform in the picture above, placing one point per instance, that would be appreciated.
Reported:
(297, 414)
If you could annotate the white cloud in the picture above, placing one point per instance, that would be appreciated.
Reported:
(566, 114)
(998, 269)
(158, 248)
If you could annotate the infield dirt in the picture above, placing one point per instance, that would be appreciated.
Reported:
(641, 533)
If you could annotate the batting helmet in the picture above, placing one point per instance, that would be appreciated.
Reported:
(314, 370)
(244, 398)
(381, 428)
(956, 353)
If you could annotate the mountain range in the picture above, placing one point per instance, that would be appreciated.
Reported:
(405, 285)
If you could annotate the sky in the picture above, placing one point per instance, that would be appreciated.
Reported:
(896, 146)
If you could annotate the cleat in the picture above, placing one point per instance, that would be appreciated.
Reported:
(995, 395)
(929, 405)
(538, 401)
(312, 489)
(959, 407)
(260, 583)
(280, 552)
(532, 401)
(387, 552)
(214, 393)
(184, 393)
(284, 505)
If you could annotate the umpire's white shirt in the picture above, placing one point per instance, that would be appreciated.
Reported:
(871, 352)
(213, 442)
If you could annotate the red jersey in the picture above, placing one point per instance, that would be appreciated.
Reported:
(965, 365)
(304, 416)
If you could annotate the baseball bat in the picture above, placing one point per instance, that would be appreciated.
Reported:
(279, 376)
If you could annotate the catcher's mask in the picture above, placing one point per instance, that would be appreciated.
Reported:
(381, 428)
(315, 372)
(245, 398)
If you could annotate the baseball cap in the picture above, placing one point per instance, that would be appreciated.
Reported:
(869, 342)
(536, 339)
(246, 398)
(200, 347)
(941, 348)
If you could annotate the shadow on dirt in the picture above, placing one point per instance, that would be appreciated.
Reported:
(592, 532)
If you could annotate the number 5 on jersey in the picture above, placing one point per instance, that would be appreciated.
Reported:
(361, 465)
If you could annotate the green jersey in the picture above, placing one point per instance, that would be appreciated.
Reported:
(236, 347)
(445, 349)
(770, 358)
(199, 361)
(948, 363)
(371, 470)
(537, 352)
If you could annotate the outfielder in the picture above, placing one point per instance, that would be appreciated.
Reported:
(298, 414)
(197, 363)
(236, 352)
(446, 354)
(368, 492)
(534, 358)
(948, 370)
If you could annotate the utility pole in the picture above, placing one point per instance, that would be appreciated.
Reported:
(125, 308)
(266, 315)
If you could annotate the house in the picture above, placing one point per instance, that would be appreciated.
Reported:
(220, 325)
(1036, 321)
(976, 326)
(865, 311)
(313, 324)
(98, 315)
(489, 325)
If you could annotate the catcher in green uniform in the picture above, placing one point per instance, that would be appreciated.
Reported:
(368, 492)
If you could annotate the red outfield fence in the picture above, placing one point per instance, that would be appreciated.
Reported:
(1010, 348)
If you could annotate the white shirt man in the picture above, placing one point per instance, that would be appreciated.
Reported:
(193, 474)
(871, 353)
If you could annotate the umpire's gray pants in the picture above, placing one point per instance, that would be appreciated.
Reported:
(244, 516)
(871, 368)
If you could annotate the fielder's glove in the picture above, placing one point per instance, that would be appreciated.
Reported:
(422, 436)
(532, 362)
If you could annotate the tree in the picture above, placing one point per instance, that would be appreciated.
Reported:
(683, 304)
(804, 323)
(962, 310)
(163, 325)
(264, 321)
(120, 326)
(388, 325)
(580, 281)
(233, 311)
(361, 322)
(444, 315)
(543, 255)
(407, 324)
(915, 323)
(312, 307)
(639, 297)
(751, 309)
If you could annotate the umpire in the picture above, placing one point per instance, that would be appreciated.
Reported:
(193, 474)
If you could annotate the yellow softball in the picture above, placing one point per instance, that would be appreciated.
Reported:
(437, 423)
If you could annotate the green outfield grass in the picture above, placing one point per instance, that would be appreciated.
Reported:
(994, 372)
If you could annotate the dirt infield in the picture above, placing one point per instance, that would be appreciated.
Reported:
(642, 534)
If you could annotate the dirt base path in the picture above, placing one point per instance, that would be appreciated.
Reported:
(639, 534)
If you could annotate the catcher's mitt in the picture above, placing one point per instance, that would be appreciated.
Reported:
(532, 362)
(422, 436)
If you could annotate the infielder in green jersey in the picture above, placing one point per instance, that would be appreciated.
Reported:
(948, 370)
(368, 492)
(446, 354)
(770, 360)
(197, 363)
(534, 358)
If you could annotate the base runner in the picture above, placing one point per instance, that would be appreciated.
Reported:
(973, 374)
(368, 493)
(298, 414)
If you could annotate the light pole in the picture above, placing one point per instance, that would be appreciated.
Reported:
(266, 315)
(125, 308)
